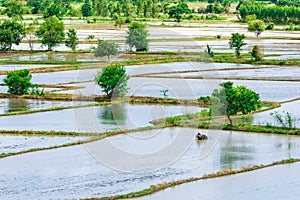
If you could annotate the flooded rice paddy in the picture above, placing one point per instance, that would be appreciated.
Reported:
(12, 143)
(77, 172)
(134, 161)
(264, 183)
(95, 118)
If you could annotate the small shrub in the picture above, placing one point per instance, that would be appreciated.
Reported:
(270, 26)
(18, 82)
(209, 51)
(285, 119)
(257, 53)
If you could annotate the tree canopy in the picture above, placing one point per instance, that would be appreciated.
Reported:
(113, 81)
(106, 48)
(51, 32)
(237, 42)
(257, 26)
(11, 32)
(18, 82)
(137, 37)
(229, 100)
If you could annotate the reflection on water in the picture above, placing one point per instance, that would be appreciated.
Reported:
(58, 175)
(15, 105)
(114, 114)
(235, 151)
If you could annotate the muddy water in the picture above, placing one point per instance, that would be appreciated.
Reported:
(276, 183)
(94, 119)
(74, 172)
(10, 143)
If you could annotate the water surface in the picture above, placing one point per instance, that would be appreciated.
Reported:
(74, 172)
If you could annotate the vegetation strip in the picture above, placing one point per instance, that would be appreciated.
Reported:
(226, 172)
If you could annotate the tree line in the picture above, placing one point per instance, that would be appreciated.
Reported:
(277, 14)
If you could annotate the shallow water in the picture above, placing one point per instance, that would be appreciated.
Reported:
(192, 88)
(282, 73)
(19, 67)
(10, 143)
(265, 118)
(276, 183)
(74, 172)
(15, 105)
(94, 119)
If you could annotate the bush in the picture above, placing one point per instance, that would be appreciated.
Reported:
(257, 53)
(270, 26)
(18, 82)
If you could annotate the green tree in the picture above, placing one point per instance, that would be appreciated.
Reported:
(87, 9)
(51, 32)
(229, 100)
(257, 53)
(178, 10)
(257, 26)
(137, 37)
(15, 8)
(11, 32)
(237, 42)
(36, 6)
(18, 82)
(55, 8)
(106, 48)
(113, 81)
(72, 39)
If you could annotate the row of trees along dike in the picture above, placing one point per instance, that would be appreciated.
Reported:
(109, 8)
(51, 33)
(285, 11)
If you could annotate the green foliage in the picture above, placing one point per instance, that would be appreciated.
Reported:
(30, 31)
(15, 8)
(276, 14)
(178, 10)
(87, 9)
(229, 100)
(51, 32)
(270, 26)
(257, 53)
(237, 42)
(257, 26)
(72, 40)
(18, 82)
(214, 8)
(11, 32)
(250, 18)
(137, 37)
(113, 81)
(36, 6)
(119, 22)
(165, 93)
(285, 120)
(209, 51)
(205, 100)
(106, 48)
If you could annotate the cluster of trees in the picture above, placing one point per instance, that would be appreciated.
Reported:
(267, 13)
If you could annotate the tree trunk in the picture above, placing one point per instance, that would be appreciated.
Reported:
(230, 120)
